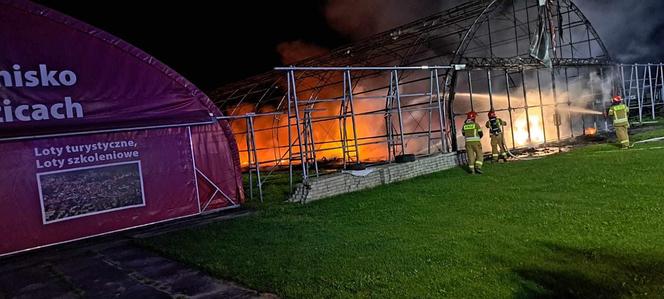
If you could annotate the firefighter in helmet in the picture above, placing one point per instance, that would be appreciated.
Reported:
(473, 135)
(620, 113)
(495, 126)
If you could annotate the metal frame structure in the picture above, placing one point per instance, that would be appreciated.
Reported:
(397, 104)
(422, 76)
(643, 88)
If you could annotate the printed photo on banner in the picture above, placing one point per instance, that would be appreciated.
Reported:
(79, 192)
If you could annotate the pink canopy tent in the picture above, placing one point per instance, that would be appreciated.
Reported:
(97, 136)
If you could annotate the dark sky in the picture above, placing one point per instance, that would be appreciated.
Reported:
(207, 43)
(215, 42)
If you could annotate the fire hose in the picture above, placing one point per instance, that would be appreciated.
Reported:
(650, 140)
(508, 150)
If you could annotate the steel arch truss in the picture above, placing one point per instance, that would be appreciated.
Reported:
(403, 91)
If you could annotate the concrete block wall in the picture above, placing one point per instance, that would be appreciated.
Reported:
(340, 183)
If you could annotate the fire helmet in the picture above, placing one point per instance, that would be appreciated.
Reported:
(492, 114)
(617, 100)
(471, 115)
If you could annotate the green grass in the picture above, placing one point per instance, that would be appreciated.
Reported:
(585, 224)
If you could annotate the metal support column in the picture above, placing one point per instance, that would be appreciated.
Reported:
(351, 104)
(525, 103)
(289, 96)
(252, 158)
(430, 112)
(510, 108)
(638, 94)
(295, 105)
(555, 101)
(441, 114)
(652, 92)
(539, 89)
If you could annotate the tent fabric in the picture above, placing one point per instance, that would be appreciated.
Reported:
(97, 136)
(153, 94)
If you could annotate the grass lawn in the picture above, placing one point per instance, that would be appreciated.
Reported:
(584, 224)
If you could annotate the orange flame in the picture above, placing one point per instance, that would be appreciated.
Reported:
(521, 130)
(271, 132)
(271, 135)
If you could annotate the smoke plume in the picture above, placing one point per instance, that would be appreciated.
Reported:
(294, 51)
(631, 30)
(362, 18)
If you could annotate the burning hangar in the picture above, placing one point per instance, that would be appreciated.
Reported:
(539, 64)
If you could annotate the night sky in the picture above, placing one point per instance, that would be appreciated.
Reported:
(199, 39)
(212, 43)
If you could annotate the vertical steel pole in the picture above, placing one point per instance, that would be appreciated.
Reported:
(525, 102)
(638, 94)
(622, 77)
(594, 96)
(449, 88)
(352, 117)
(388, 120)
(441, 114)
(539, 88)
(403, 144)
(309, 140)
(555, 100)
(290, 137)
(652, 92)
(342, 122)
(430, 110)
(251, 181)
(259, 181)
(509, 107)
(606, 121)
(488, 74)
(303, 158)
(470, 90)
(631, 85)
(630, 89)
(569, 104)
(657, 83)
(643, 84)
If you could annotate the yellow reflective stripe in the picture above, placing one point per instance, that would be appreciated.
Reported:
(624, 141)
(495, 155)
(617, 116)
(473, 139)
(471, 128)
(480, 163)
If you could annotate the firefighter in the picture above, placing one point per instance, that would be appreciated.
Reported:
(473, 135)
(495, 126)
(620, 114)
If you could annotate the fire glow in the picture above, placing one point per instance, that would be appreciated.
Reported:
(530, 129)
(271, 133)
(530, 120)
(522, 132)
